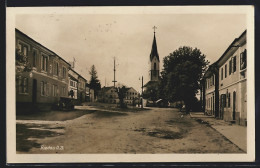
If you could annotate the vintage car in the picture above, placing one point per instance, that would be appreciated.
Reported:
(64, 103)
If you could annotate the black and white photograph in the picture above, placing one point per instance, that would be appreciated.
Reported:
(120, 84)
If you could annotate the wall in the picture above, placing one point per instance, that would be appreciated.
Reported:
(234, 82)
(43, 97)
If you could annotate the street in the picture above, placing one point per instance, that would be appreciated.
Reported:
(155, 130)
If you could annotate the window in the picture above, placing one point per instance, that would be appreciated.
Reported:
(20, 86)
(34, 58)
(230, 67)
(44, 62)
(234, 64)
(221, 73)
(55, 90)
(64, 72)
(213, 78)
(48, 89)
(228, 99)
(56, 68)
(71, 83)
(211, 102)
(225, 70)
(154, 66)
(243, 56)
(224, 100)
(23, 48)
(23, 85)
(43, 88)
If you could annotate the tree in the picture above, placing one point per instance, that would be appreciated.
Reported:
(181, 75)
(121, 95)
(151, 92)
(94, 82)
(21, 62)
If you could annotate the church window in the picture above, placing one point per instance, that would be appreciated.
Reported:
(154, 66)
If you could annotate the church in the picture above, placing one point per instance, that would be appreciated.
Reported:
(154, 65)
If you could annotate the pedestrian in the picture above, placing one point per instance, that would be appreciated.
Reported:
(71, 93)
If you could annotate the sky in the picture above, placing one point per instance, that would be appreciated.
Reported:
(96, 39)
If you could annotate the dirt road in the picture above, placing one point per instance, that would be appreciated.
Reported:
(158, 130)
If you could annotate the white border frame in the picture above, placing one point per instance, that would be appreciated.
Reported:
(12, 157)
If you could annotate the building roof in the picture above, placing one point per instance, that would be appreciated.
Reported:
(71, 69)
(72, 77)
(150, 83)
(83, 78)
(211, 70)
(232, 47)
(105, 89)
(54, 54)
(130, 88)
(154, 51)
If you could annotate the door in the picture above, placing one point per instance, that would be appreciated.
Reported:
(234, 105)
(34, 91)
(213, 105)
(222, 101)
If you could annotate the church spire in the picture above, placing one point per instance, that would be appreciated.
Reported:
(154, 52)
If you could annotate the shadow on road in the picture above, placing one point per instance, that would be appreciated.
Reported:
(107, 114)
(25, 134)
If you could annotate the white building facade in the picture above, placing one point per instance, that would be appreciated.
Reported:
(233, 82)
(73, 84)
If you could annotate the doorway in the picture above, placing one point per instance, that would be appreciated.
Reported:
(34, 92)
(234, 105)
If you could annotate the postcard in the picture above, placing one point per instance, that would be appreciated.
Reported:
(130, 84)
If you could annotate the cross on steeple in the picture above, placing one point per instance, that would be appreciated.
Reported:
(154, 29)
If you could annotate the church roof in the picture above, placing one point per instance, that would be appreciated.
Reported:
(154, 52)
(150, 83)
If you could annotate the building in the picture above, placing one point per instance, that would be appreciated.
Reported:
(81, 89)
(45, 81)
(73, 84)
(89, 94)
(233, 82)
(154, 65)
(225, 84)
(154, 61)
(131, 96)
(108, 95)
(210, 87)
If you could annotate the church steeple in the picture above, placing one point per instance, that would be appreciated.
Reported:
(154, 60)
(154, 52)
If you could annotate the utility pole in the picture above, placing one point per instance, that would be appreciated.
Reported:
(142, 91)
(114, 73)
(142, 84)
